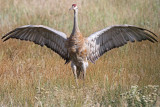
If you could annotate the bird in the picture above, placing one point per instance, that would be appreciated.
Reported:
(76, 48)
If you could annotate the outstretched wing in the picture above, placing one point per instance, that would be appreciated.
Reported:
(41, 35)
(114, 37)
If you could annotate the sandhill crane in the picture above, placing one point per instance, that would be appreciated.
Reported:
(78, 49)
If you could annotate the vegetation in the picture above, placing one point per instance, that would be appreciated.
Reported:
(31, 75)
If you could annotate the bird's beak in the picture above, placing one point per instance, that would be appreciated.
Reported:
(71, 8)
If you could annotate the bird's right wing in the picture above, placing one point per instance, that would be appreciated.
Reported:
(41, 35)
(113, 37)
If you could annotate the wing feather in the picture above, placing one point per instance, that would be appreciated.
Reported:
(41, 35)
(114, 37)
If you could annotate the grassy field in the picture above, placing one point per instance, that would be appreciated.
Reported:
(31, 75)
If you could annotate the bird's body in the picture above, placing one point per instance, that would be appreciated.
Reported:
(77, 49)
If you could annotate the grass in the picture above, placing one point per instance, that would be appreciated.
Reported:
(31, 75)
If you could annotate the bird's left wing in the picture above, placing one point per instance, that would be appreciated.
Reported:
(41, 35)
(113, 37)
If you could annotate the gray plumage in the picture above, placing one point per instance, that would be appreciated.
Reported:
(41, 35)
(114, 37)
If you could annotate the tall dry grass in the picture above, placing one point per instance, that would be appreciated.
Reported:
(31, 75)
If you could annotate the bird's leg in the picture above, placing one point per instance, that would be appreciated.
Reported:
(74, 69)
(84, 73)
(84, 66)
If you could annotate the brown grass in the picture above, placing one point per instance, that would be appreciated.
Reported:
(33, 75)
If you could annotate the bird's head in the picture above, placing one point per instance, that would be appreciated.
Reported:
(74, 7)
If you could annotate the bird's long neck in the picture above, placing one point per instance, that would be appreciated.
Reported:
(75, 27)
